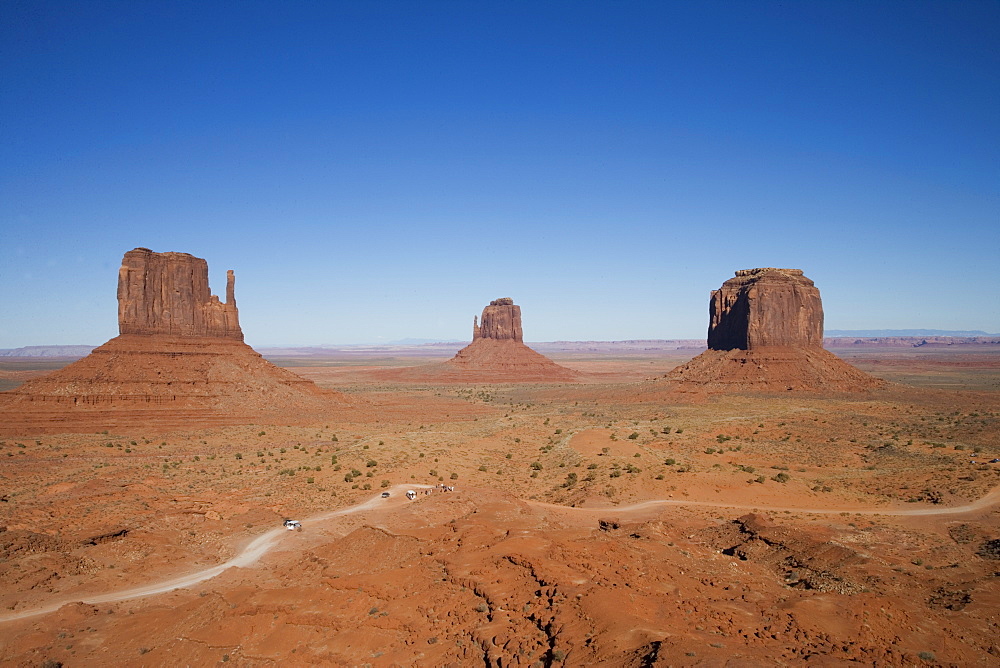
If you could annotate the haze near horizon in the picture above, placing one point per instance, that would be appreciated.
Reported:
(381, 171)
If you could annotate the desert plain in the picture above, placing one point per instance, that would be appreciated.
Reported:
(610, 520)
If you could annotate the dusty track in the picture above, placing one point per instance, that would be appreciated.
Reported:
(261, 545)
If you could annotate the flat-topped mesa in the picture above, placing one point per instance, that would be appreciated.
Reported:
(501, 320)
(766, 308)
(168, 293)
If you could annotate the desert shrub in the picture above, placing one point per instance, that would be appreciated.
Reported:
(634, 435)
(670, 461)
(385, 483)
(990, 549)
(453, 476)
(537, 466)
(782, 477)
(239, 455)
(370, 463)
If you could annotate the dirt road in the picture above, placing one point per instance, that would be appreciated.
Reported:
(261, 545)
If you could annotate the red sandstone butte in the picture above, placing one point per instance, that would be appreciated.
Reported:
(764, 308)
(501, 321)
(497, 354)
(168, 293)
(765, 333)
(180, 360)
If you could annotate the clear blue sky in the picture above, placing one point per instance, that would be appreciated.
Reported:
(375, 170)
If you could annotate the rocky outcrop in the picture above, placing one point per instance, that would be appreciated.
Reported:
(765, 308)
(765, 334)
(168, 293)
(501, 321)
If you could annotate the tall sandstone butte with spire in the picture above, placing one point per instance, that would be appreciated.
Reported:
(765, 333)
(168, 293)
(501, 321)
(179, 359)
(498, 352)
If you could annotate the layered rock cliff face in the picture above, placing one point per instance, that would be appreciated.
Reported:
(501, 321)
(765, 334)
(765, 308)
(168, 293)
(180, 360)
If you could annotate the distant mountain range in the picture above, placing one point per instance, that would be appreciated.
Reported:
(437, 346)
(904, 332)
(47, 351)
